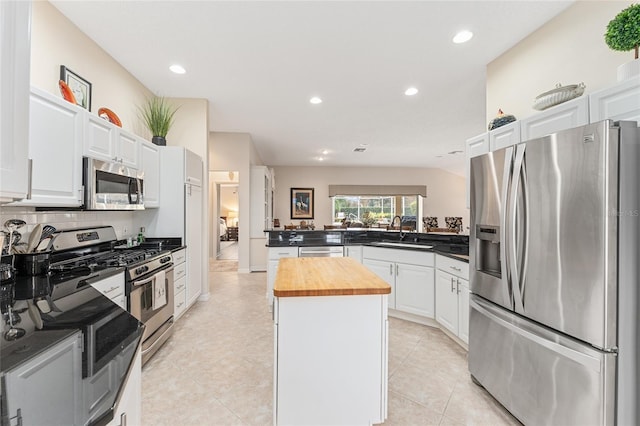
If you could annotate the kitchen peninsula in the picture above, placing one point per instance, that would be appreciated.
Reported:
(330, 343)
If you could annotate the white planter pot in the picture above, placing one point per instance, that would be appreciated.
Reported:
(629, 70)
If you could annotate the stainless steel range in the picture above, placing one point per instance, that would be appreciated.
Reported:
(148, 272)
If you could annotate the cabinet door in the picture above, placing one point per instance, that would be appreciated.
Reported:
(55, 148)
(150, 165)
(447, 301)
(180, 297)
(415, 290)
(15, 49)
(193, 168)
(463, 310)
(354, 252)
(100, 139)
(272, 269)
(98, 390)
(504, 136)
(620, 102)
(112, 287)
(386, 271)
(560, 117)
(193, 232)
(129, 408)
(46, 389)
(127, 149)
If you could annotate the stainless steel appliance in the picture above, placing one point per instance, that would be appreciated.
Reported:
(554, 255)
(321, 251)
(111, 186)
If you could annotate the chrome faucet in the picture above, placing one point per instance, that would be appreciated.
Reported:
(399, 222)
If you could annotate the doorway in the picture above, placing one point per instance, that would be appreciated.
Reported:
(225, 220)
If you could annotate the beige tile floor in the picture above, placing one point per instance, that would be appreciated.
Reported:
(217, 368)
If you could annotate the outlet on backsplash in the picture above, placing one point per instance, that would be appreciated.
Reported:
(125, 231)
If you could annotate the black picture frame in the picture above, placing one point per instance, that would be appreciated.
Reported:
(80, 87)
(302, 203)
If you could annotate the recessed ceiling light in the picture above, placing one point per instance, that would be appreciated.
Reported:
(411, 91)
(178, 69)
(315, 100)
(325, 152)
(462, 37)
(320, 159)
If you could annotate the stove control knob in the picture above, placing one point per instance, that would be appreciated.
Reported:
(142, 270)
(165, 259)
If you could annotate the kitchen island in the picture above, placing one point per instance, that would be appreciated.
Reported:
(330, 343)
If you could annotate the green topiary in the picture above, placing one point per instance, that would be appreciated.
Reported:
(623, 32)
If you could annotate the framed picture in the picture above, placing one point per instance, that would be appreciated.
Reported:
(301, 203)
(80, 87)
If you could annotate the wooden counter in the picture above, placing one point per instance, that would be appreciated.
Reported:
(326, 276)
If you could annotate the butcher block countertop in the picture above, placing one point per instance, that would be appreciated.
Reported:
(326, 276)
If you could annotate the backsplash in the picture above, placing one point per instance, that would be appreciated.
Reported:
(121, 221)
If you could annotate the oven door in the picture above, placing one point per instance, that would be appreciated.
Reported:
(144, 301)
(112, 186)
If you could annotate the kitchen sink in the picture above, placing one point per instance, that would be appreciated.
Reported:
(414, 246)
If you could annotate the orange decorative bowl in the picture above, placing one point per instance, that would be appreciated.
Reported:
(66, 92)
(109, 115)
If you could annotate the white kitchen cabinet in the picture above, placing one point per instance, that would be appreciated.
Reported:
(179, 283)
(275, 254)
(507, 135)
(46, 390)
(150, 165)
(107, 142)
(354, 252)
(330, 360)
(128, 411)
(410, 274)
(261, 216)
(619, 102)
(181, 213)
(476, 146)
(15, 60)
(567, 115)
(55, 149)
(113, 288)
(452, 296)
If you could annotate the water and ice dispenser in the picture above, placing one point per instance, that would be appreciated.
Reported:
(488, 250)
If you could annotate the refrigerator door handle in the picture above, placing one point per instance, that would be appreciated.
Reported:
(512, 230)
(505, 239)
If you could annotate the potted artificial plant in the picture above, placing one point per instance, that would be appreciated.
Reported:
(158, 115)
(623, 34)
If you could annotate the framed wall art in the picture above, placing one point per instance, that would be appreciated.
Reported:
(301, 203)
(80, 87)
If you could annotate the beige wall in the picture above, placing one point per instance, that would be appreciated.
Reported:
(56, 41)
(191, 126)
(569, 49)
(445, 191)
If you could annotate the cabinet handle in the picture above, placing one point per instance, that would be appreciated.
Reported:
(457, 286)
(123, 419)
(452, 283)
(30, 182)
(455, 269)
(391, 269)
(397, 269)
(18, 417)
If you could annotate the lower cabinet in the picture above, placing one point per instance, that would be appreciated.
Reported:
(46, 390)
(452, 296)
(354, 252)
(113, 288)
(179, 283)
(129, 408)
(275, 254)
(410, 275)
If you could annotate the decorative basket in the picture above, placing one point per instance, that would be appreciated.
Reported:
(558, 95)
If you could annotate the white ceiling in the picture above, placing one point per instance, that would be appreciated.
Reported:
(259, 63)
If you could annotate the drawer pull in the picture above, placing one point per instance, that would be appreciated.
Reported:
(455, 269)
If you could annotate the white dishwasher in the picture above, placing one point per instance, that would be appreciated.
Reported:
(321, 251)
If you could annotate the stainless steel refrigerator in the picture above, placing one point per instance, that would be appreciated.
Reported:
(554, 274)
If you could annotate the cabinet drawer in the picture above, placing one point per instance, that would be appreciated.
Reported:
(179, 285)
(180, 271)
(454, 267)
(413, 257)
(276, 253)
(179, 303)
(179, 256)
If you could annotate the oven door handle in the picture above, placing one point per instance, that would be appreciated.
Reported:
(143, 282)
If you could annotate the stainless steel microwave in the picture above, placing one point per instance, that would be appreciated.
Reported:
(112, 186)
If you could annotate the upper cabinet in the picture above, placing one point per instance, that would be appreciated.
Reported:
(55, 151)
(620, 102)
(505, 136)
(150, 165)
(15, 56)
(573, 113)
(108, 142)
